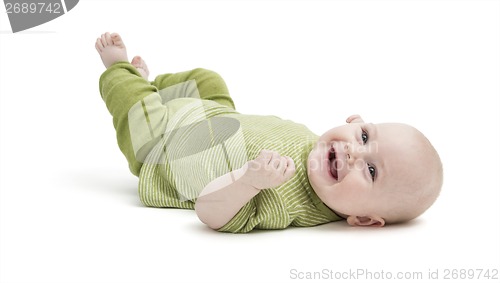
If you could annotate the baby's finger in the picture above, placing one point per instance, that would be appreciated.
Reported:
(275, 160)
(282, 165)
(265, 155)
(290, 168)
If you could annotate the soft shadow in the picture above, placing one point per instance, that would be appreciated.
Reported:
(342, 226)
(330, 227)
(110, 184)
(204, 229)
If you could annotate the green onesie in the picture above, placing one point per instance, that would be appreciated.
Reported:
(181, 131)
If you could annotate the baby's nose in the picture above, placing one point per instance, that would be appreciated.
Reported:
(348, 153)
(353, 153)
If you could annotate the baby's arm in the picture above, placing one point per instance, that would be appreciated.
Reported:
(222, 198)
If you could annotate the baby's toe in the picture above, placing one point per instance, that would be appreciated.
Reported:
(117, 39)
(136, 61)
(103, 40)
(109, 41)
(98, 45)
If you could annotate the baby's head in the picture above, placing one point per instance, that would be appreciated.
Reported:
(373, 174)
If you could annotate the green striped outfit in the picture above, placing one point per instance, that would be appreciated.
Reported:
(181, 131)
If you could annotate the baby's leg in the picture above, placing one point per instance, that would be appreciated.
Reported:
(133, 102)
(210, 85)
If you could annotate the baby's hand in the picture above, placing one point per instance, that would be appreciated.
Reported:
(269, 170)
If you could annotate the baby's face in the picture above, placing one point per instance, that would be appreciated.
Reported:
(354, 168)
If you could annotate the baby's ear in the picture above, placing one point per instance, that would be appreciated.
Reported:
(373, 221)
(354, 119)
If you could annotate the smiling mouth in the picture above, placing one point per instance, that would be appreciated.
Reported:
(333, 163)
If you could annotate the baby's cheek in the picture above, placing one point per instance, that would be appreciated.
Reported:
(348, 197)
(353, 186)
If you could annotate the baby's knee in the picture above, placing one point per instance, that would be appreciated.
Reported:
(209, 78)
(203, 71)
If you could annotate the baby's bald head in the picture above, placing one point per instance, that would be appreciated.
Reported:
(418, 181)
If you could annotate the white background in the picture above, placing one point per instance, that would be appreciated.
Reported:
(69, 209)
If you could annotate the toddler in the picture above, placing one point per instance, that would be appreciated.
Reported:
(190, 149)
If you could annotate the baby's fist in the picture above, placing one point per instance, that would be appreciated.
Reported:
(269, 170)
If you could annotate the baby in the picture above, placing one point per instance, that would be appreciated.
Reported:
(190, 149)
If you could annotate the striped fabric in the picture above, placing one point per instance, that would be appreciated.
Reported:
(181, 131)
(167, 181)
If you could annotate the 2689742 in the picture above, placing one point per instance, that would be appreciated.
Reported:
(33, 8)
(471, 273)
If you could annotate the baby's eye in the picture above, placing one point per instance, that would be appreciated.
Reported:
(373, 171)
(364, 137)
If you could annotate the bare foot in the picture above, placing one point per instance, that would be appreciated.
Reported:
(111, 48)
(141, 66)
